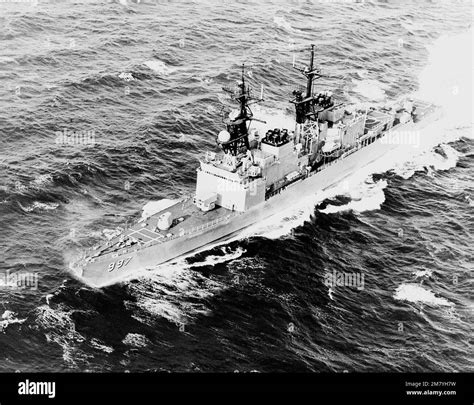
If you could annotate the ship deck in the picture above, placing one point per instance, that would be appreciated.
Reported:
(187, 219)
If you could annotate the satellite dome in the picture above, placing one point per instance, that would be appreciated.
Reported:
(223, 136)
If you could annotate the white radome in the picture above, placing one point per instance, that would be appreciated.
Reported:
(223, 136)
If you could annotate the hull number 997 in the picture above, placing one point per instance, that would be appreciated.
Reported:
(119, 264)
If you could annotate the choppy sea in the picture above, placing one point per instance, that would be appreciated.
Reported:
(138, 86)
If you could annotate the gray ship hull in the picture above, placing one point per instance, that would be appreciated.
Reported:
(111, 269)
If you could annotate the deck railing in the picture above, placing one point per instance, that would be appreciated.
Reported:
(157, 241)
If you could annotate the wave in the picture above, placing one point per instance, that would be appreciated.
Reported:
(97, 344)
(7, 59)
(416, 293)
(136, 340)
(171, 291)
(284, 222)
(58, 327)
(366, 197)
(39, 206)
(443, 158)
(42, 180)
(111, 233)
(39, 183)
(159, 67)
(330, 291)
(126, 76)
(282, 23)
(174, 291)
(212, 260)
(423, 273)
(9, 318)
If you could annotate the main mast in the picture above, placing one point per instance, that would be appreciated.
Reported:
(234, 139)
(305, 106)
(309, 106)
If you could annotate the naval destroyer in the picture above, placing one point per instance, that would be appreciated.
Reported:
(255, 176)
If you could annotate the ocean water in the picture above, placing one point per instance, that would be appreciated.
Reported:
(138, 86)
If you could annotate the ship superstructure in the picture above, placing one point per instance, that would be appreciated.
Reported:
(255, 175)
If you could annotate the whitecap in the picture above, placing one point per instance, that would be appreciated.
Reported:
(9, 318)
(59, 327)
(111, 233)
(281, 22)
(127, 76)
(39, 206)
(41, 180)
(97, 344)
(171, 291)
(212, 260)
(159, 66)
(330, 291)
(416, 293)
(427, 161)
(7, 59)
(423, 273)
(136, 340)
(366, 197)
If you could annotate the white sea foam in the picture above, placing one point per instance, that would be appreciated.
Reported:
(365, 197)
(281, 22)
(212, 260)
(111, 233)
(9, 318)
(423, 273)
(59, 327)
(39, 206)
(41, 180)
(159, 67)
(7, 59)
(282, 223)
(330, 291)
(127, 76)
(427, 161)
(416, 293)
(99, 345)
(172, 291)
(136, 340)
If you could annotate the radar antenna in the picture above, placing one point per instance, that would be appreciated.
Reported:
(306, 105)
(238, 127)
